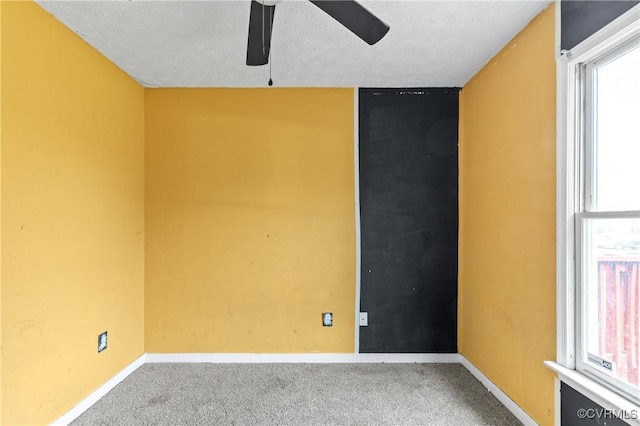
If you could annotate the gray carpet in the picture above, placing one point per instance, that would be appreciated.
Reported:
(299, 394)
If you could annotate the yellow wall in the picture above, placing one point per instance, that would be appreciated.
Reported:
(72, 217)
(507, 218)
(250, 220)
(0, 211)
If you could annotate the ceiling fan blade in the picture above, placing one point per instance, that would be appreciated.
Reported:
(355, 17)
(260, 26)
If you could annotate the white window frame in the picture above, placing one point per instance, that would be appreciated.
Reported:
(569, 199)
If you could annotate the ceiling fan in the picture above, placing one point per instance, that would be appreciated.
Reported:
(349, 13)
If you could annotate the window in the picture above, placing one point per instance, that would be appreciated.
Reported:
(602, 204)
(608, 234)
(609, 259)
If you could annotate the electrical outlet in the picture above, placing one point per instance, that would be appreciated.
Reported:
(327, 319)
(364, 319)
(102, 341)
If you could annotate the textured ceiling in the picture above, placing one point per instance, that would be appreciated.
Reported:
(203, 43)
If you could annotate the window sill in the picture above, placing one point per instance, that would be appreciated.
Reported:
(597, 393)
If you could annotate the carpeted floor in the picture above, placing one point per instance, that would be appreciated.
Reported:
(299, 394)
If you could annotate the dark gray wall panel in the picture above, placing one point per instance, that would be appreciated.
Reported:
(409, 219)
(578, 410)
(580, 19)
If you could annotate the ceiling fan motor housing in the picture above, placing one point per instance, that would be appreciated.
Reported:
(349, 13)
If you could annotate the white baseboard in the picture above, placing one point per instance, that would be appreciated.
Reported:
(86, 403)
(497, 392)
(308, 358)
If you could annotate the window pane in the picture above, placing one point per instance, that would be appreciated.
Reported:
(611, 268)
(617, 134)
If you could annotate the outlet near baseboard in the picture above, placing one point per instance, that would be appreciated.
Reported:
(327, 319)
(102, 342)
(364, 319)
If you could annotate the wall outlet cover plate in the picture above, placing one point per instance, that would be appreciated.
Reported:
(102, 342)
(364, 319)
(327, 319)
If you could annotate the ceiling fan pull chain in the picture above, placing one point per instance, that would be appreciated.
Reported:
(263, 51)
(270, 59)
